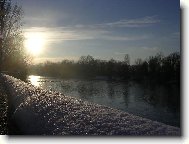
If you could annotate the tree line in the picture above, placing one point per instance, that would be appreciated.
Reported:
(157, 68)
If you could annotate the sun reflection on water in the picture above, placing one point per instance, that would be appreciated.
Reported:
(35, 80)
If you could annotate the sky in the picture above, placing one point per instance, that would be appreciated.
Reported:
(104, 29)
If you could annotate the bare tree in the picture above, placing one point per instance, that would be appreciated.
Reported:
(11, 38)
(127, 59)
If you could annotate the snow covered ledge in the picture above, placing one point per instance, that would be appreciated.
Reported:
(42, 112)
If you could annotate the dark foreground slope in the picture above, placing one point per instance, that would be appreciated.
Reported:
(3, 110)
(40, 112)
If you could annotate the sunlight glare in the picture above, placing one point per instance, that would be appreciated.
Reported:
(34, 43)
(34, 80)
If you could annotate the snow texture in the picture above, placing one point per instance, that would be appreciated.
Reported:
(43, 112)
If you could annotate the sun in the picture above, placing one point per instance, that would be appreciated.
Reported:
(34, 43)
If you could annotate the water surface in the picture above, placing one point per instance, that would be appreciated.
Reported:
(156, 102)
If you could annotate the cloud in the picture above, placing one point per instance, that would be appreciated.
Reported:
(126, 23)
(123, 38)
(93, 31)
(60, 34)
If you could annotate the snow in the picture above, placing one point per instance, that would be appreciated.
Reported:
(43, 112)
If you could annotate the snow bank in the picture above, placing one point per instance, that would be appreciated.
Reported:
(42, 112)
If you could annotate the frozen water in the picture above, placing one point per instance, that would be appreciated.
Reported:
(43, 112)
